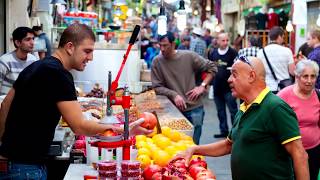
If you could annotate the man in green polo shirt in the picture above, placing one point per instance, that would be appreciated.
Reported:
(264, 141)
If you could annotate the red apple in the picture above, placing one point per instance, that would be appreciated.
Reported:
(150, 170)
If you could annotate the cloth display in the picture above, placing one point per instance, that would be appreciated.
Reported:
(261, 21)
(251, 21)
(283, 19)
(273, 19)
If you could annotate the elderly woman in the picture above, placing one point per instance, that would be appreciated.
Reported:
(303, 99)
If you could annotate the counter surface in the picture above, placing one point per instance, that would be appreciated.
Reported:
(77, 171)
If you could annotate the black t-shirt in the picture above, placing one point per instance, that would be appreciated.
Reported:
(34, 115)
(220, 81)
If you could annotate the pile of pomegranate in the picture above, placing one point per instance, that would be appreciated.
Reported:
(176, 169)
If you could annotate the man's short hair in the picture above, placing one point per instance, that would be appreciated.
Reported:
(275, 32)
(20, 33)
(315, 33)
(186, 38)
(169, 35)
(75, 34)
(255, 41)
(37, 28)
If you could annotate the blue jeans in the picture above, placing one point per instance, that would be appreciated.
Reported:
(19, 171)
(221, 101)
(195, 116)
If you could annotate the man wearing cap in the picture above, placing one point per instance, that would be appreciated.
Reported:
(197, 44)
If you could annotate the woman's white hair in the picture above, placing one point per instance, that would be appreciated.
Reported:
(301, 65)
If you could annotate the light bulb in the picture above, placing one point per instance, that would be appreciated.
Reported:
(162, 25)
(318, 21)
(195, 12)
(218, 28)
(208, 8)
(181, 20)
(289, 26)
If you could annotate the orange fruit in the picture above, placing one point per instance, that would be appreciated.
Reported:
(144, 160)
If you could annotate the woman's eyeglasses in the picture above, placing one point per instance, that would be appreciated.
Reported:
(244, 59)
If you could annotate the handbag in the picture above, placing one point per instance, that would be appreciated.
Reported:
(283, 83)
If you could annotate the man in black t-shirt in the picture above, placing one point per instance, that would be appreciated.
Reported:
(224, 57)
(43, 92)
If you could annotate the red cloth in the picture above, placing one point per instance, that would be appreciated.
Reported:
(272, 20)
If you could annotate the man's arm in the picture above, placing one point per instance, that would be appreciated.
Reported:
(5, 106)
(300, 159)
(72, 114)
(216, 149)
(292, 67)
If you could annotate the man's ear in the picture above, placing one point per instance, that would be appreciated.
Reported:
(252, 76)
(17, 43)
(69, 47)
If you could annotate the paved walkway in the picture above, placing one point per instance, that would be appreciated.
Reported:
(219, 165)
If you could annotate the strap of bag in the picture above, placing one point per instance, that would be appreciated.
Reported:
(318, 93)
(272, 72)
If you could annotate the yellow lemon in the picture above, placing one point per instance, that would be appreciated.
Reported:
(154, 132)
(149, 140)
(163, 142)
(157, 136)
(140, 138)
(175, 135)
(166, 131)
(144, 150)
(141, 144)
(161, 158)
(144, 160)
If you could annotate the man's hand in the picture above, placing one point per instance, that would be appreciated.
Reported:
(187, 155)
(195, 93)
(135, 128)
(180, 103)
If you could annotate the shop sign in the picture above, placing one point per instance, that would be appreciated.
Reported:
(229, 6)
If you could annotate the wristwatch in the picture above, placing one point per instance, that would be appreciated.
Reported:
(204, 84)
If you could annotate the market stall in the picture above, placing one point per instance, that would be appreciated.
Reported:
(175, 137)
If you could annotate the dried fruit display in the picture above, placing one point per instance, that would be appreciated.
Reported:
(177, 124)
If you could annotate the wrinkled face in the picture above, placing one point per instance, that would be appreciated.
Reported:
(82, 54)
(312, 40)
(306, 81)
(223, 41)
(26, 44)
(166, 47)
(240, 79)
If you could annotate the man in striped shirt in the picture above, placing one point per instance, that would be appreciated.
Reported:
(12, 63)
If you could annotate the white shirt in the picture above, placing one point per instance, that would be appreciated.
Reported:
(280, 58)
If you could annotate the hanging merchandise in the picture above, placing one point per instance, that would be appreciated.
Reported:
(283, 18)
(162, 21)
(182, 17)
(300, 12)
(272, 19)
(262, 19)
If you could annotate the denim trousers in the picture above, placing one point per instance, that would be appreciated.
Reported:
(19, 171)
(221, 101)
(195, 116)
